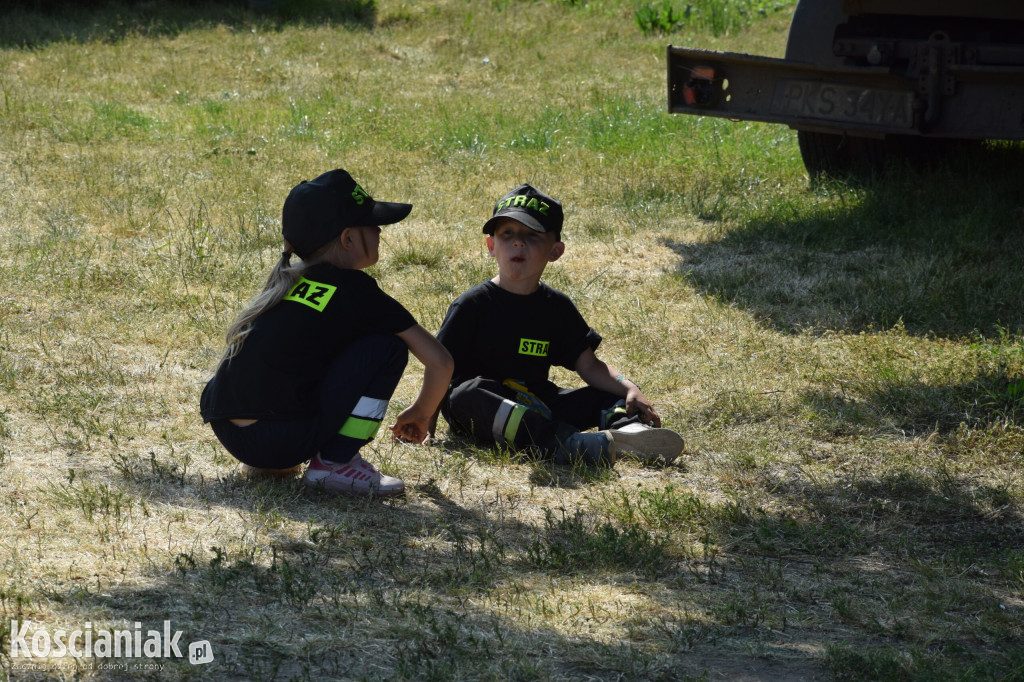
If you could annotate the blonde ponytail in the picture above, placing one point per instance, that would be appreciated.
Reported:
(281, 280)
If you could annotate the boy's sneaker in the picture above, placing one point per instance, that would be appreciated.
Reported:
(354, 477)
(594, 449)
(648, 443)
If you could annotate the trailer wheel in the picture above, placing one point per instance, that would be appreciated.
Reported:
(863, 157)
(828, 154)
(812, 32)
(811, 36)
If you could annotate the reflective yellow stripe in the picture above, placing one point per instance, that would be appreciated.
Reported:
(363, 429)
(512, 425)
(500, 419)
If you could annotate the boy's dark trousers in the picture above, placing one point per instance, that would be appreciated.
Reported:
(536, 418)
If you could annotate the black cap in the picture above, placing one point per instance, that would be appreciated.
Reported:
(532, 208)
(317, 211)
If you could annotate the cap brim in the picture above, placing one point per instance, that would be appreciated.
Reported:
(522, 216)
(389, 213)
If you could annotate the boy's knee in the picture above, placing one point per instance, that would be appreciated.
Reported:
(470, 390)
(469, 407)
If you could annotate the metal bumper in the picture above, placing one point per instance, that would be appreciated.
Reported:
(960, 101)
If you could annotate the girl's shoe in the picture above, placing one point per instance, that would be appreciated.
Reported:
(354, 477)
(256, 472)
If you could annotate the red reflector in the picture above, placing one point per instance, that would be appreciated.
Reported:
(698, 89)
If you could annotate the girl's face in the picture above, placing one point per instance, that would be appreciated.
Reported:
(364, 246)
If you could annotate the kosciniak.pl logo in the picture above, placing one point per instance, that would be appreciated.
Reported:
(99, 644)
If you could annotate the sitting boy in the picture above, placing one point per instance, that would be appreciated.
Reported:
(506, 333)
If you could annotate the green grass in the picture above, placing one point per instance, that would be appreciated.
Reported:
(844, 360)
(717, 17)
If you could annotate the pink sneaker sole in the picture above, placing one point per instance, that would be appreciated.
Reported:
(355, 477)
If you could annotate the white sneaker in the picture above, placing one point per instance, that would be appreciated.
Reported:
(648, 443)
(354, 477)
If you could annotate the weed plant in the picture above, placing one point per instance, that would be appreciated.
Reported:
(844, 360)
(717, 17)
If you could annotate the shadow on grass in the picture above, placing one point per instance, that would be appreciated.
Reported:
(915, 407)
(934, 517)
(438, 589)
(936, 249)
(889, 557)
(35, 23)
(543, 472)
(406, 580)
(361, 632)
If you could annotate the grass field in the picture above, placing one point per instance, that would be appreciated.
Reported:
(844, 361)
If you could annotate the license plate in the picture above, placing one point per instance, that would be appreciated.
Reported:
(833, 102)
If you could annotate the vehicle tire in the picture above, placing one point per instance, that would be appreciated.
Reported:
(812, 32)
(825, 154)
(839, 155)
(811, 36)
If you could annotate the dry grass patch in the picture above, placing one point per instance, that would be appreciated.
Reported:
(844, 361)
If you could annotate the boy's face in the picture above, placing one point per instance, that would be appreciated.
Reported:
(522, 253)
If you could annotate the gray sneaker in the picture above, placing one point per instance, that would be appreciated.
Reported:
(594, 449)
(647, 443)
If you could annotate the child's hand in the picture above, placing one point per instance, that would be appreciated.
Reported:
(636, 401)
(411, 428)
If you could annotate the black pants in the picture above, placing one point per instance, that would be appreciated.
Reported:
(353, 400)
(536, 419)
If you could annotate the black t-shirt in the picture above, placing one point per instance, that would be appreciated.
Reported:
(282, 361)
(499, 335)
